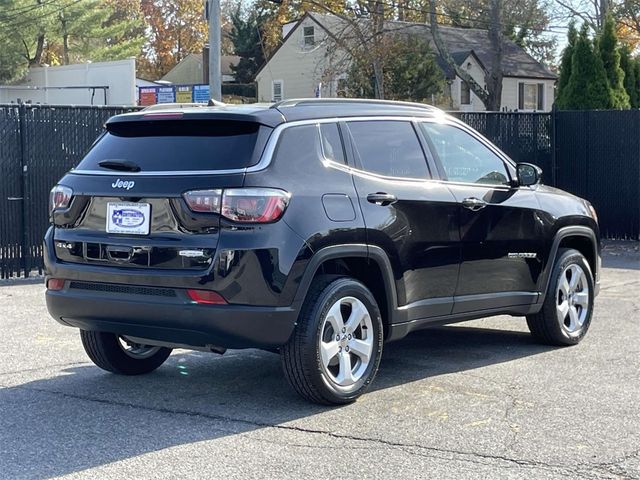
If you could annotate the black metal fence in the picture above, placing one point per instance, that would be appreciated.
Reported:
(595, 155)
(38, 144)
(592, 154)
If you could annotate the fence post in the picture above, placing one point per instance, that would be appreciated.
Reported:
(554, 146)
(26, 249)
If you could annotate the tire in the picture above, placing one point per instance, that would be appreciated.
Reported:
(323, 363)
(568, 306)
(110, 352)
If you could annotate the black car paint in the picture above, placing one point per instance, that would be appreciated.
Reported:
(453, 266)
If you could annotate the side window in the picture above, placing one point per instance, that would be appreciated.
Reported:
(464, 158)
(389, 148)
(331, 142)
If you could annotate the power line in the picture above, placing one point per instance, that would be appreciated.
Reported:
(556, 29)
(21, 11)
(31, 20)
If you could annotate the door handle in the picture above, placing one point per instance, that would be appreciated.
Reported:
(381, 198)
(474, 204)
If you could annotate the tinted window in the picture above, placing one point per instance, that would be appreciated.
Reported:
(331, 142)
(389, 148)
(177, 145)
(464, 158)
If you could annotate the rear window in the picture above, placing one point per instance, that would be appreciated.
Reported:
(179, 145)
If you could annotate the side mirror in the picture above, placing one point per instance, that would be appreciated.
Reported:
(528, 174)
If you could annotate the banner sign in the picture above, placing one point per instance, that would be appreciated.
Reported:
(166, 95)
(201, 93)
(184, 94)
(148, 96)
(173, 93)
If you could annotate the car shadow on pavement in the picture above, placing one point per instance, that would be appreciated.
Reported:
(83, 418)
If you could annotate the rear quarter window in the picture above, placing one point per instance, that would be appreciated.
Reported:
(181, 145)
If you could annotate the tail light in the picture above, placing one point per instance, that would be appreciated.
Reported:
(254, 205)
(204, 201)
(243, 205)
(60, 197)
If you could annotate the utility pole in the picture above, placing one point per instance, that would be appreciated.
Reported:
(215, 41)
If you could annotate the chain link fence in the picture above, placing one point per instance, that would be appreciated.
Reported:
(595, 155)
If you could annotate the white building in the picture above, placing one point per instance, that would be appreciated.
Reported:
(100, 83)
(303, 66)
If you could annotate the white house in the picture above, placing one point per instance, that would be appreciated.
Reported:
(307, 64)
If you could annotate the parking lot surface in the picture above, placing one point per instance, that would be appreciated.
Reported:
(475, 400)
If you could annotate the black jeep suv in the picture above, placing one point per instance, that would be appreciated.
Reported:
(317, 228)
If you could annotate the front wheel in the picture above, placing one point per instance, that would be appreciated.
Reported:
(568, 306)
(334, 352)
(117, 354)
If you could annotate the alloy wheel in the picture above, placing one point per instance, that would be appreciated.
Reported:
(137, 350)
(346, 341)
(572, 299)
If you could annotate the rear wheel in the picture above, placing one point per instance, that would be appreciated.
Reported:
(566, 313)
(117, 354)
(334, 353)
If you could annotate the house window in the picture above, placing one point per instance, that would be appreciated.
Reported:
(531, 96)
(309, 36)
(465, 94)
(276, 90)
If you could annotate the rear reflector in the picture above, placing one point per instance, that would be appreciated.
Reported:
(206, 297)
(55, 284)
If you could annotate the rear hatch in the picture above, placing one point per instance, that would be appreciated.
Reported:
(147, 193)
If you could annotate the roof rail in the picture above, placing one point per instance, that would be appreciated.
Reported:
(337, 101)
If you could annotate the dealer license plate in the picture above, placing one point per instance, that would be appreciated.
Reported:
(131, 218)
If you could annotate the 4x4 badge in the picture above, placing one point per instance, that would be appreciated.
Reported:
(126, 184)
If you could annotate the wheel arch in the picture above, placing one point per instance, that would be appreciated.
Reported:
(580, 238)
(364, 263)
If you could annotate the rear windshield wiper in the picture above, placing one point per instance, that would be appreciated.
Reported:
(120, 165)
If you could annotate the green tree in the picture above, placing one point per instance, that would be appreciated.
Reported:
(588, 88)
(410, 72)
(33, 32)
(245, 36)
(636, 70)
(628, 65)
(565, 66)
(610, 55)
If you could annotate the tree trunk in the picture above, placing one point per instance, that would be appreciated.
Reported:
(378, 32)
(65, 48)
(494, 76)
(443, 50)
(37, 57)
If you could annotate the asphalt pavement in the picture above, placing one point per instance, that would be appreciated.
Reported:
(475, 400)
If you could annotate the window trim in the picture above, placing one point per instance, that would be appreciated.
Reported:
(274, 138)
(463, 85)
(305, 37)
(540, 96)
(273, 93)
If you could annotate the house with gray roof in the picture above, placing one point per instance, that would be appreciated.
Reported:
(308, 64)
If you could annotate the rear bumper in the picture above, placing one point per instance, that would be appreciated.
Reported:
(171, 318)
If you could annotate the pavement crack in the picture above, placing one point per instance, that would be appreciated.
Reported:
(412, 448)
